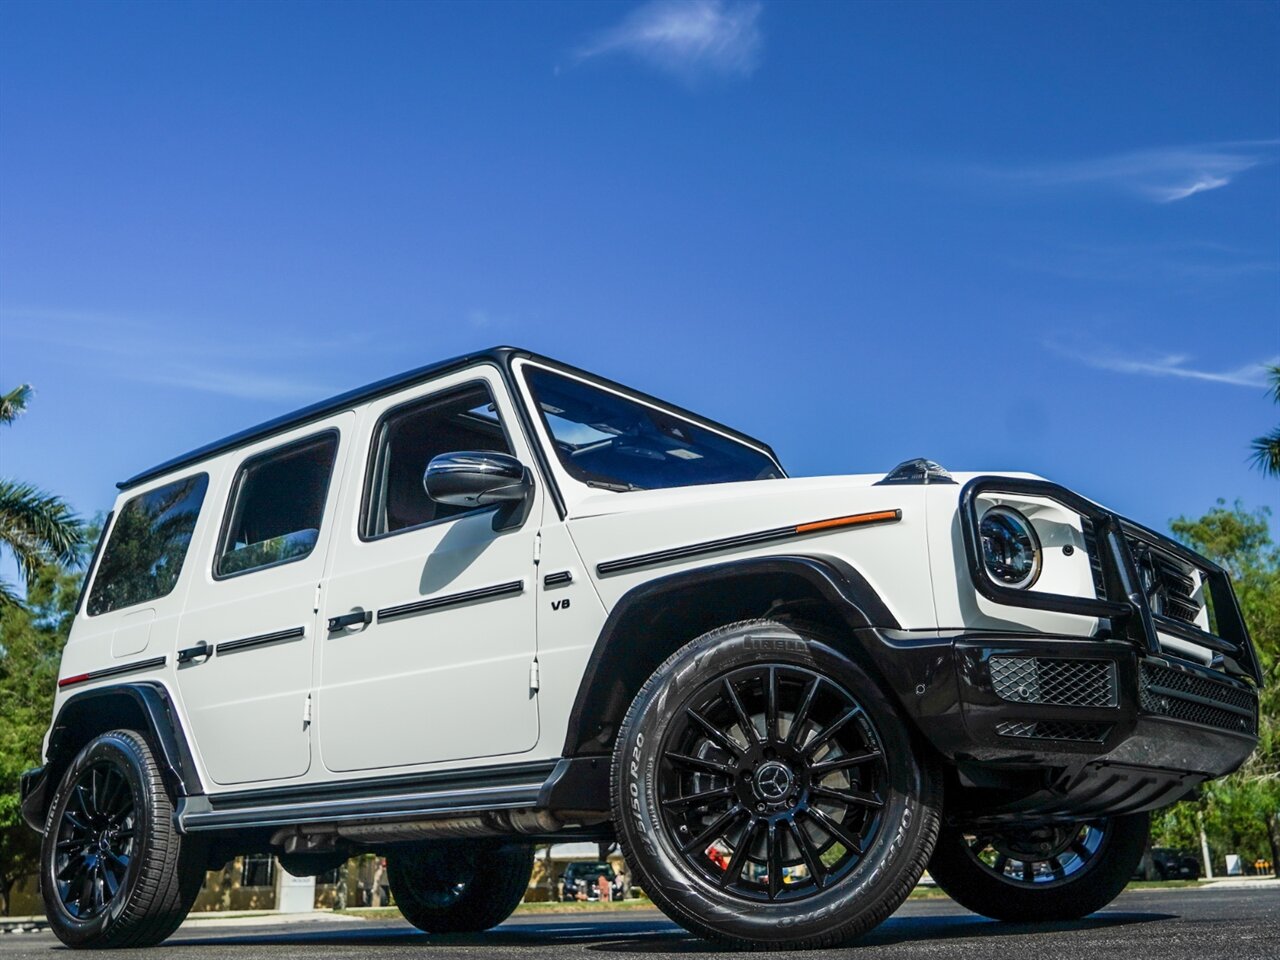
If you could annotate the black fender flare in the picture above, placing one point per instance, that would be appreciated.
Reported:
(833, 580)
(123, 704)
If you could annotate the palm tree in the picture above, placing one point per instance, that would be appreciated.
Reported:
(35, 526)
(1266, 450)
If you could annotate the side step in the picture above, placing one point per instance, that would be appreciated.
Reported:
(382, 799)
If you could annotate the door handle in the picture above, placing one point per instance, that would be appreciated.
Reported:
(362, 617)
(201, 651)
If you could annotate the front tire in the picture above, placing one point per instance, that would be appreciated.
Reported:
(1039, 873)
(460, 886)
(115, 872)
(766, 791)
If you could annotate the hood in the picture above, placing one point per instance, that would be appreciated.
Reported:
(601, 503)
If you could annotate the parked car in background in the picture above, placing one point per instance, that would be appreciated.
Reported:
(1171, 865)
(574, 612)
(581, 881)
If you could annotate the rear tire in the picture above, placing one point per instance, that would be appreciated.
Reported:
(747, 825)
(459, 886)
(115, 872)
(1069, 871)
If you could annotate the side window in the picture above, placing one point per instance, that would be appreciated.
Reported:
(404, 442)
(277, 504)
(148, 545)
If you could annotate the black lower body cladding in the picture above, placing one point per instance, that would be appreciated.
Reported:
(767, 792)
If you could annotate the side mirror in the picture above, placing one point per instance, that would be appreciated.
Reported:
(478, 478)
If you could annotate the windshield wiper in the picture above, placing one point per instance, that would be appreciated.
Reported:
(615, 487)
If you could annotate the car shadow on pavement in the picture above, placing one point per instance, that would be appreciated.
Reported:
(893, 931)
(653, 935)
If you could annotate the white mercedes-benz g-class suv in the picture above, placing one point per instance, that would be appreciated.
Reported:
(499, 601)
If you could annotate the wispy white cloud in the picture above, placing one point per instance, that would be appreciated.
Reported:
(228, 363)
(688, 38)
(1170, 365)
(1161, 175)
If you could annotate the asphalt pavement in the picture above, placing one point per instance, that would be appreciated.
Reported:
(1173, 924)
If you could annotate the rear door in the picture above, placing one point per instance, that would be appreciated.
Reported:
(436, 662)
(249, 628)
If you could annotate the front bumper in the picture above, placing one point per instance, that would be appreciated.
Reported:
(1038, 725)
(1068, 727)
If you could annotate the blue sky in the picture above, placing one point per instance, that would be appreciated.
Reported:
(1037, 237)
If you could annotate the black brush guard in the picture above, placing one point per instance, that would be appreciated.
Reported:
(1133, 728)
(1130, 618)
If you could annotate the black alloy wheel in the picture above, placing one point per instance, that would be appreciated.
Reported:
(766, 791)
(95, 841)
(459, 886)
(1040, 856)
(1039, 871)
(771, 781)
(115, 872)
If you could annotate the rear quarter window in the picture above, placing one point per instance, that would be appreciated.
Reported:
(147, 546)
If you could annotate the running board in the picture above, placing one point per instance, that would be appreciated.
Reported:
(377, 800)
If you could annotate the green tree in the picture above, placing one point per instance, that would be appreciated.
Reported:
(1266, 450)
(1241, 813)
(31, 639)
(37, 527)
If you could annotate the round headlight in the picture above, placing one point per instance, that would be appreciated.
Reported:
(1010, 547)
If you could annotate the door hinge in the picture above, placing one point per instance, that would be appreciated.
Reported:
(306, 711)
(537, 548)
(534, 683)
(315, 607)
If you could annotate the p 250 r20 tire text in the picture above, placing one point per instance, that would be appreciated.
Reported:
(115, 872)
(767, 793)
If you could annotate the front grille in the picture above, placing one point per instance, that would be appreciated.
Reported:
(1170, 585)
(1095, 558)
(1054, 730)
(1196, 699)
(1053, 681)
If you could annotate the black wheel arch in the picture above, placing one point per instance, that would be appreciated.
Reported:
(654, 618)
(143, 706)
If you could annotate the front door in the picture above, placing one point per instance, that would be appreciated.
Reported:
(249, 627)
(432, 638)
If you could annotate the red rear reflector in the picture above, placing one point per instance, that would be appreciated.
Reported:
(68, 681)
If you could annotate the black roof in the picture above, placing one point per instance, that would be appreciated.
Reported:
(501, 356)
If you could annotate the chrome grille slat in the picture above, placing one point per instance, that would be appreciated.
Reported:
(1169, 586)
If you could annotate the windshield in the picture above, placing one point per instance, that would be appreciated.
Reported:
(614, 443)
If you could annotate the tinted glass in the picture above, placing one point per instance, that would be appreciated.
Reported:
(609, 441)
(278, 503)
(148, 544)
(406, 441)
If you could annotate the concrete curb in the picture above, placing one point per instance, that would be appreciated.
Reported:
(1238, 883)
(23, 924)
(238, 918)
